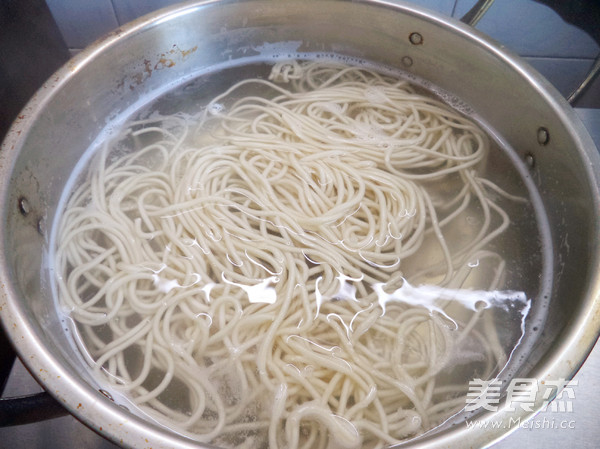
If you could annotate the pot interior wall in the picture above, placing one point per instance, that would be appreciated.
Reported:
(133, 66)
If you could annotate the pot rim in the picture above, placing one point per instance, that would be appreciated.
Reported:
(109, 419)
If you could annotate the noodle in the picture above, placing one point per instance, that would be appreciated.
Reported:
(240, 274)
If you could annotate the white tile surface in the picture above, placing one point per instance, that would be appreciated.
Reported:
(81, 22)
(532, 29)
(564, 73)
(128, 10)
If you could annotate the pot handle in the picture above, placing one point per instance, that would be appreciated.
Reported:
(474, 15)
(586, 83)
(23, 409)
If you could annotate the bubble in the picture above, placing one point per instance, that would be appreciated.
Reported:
(216, 108)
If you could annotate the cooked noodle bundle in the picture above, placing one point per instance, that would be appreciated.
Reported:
(238, 274)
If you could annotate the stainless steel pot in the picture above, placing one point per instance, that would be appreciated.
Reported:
(136, 63)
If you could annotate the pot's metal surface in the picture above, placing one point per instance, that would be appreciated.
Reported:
(135, 64)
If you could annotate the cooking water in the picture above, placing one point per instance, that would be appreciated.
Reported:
(503, 286)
